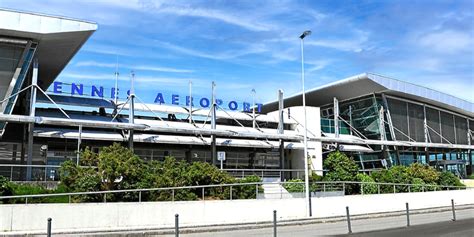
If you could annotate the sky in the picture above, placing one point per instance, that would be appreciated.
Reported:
(246, 44)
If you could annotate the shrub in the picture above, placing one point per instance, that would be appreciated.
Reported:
(5, 189)
(341, 168)
(418, 185)
(294, 186)
(368, 186)
(426, 173)
(449, 179)
(248, 191)
(117, 168)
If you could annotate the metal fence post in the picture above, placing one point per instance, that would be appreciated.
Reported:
(324, 187)
(409, 189)
(348, 220)
(176, 225)
(48, 230)
(394, 190)
(172, 195)
(274, 223)
(11, 173)
(408, 214)
(362, 188)
(140, 196)
(230, 192)
(378, 188)
(69, 198)
(203, 194)
(454, 210)
(105, 197)
(256, 191)
(344, 188)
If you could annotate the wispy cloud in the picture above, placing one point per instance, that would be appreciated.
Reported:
(447, 41)
(98, 76)
(134, 67)
(226, 55)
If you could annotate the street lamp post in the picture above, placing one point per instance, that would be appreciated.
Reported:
(306, 172)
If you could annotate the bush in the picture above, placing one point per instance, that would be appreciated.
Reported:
(5, 189)
(449, 179)
(368, 186)
(426, 173)
(247, 191)
(294, 186)
(341, 168)
(418, 185)
(117, 168)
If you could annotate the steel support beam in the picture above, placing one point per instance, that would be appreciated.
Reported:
(281, 129)
(213, 125)
(336, 117)
(31, 126)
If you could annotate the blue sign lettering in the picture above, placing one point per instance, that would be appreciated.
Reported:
(189, 101)
(159, 99)
(112, 92)
(204, 102)
(233, 105)
(175, 99)
(97, 92)
(57, 87)
(77, 89)
(246, 107)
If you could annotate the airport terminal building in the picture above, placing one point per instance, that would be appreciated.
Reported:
(377, 120)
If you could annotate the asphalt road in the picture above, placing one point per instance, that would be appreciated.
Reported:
(462, 228)
(427, 224)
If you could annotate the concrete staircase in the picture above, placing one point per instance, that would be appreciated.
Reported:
(273, 190)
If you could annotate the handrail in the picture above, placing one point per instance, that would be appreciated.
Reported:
(224, 185)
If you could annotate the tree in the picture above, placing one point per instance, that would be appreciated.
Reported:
(341, 168)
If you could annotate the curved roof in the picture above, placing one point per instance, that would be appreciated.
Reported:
(58, 38)
(368, 83)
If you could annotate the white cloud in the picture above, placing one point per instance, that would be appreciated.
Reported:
(226, 55)
(447, 41)
(139, 68)
(102, 76)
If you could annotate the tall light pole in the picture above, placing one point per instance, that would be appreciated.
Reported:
(306, 171)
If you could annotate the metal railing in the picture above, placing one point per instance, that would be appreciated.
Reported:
(234, 191)
(267, 173)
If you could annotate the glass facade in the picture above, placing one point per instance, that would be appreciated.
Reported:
(362, 117)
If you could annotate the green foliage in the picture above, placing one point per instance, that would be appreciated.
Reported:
(5, 188)
(449, 179)
(418, 185)
(341, 168)
(294, 186)
(117, 168)
(424, 172)
(368, 186)
(248, 191)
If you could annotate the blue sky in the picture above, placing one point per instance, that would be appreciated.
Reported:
(243, 45)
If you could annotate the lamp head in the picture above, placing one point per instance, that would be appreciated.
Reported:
(306, 33)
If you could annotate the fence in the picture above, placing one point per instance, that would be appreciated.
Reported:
(282, 174)
(226, 192)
